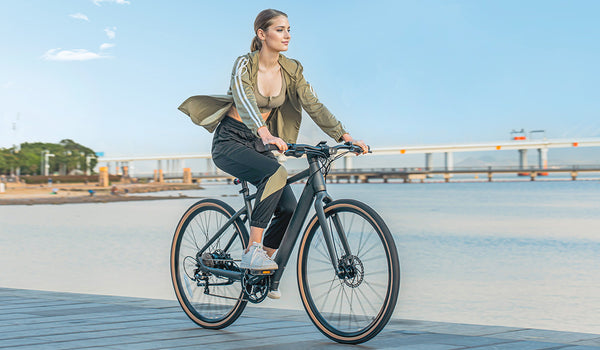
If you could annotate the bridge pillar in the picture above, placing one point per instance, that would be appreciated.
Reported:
(347, 163)
(448, 164)
(522, 158)
(428, 161)
(161, 178)
(187, 176)
(543, 158)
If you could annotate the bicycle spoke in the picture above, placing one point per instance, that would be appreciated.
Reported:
(327, 293)
(367, 299)
(360, 247)
(374, 291)
(323, 269)
(375, 245)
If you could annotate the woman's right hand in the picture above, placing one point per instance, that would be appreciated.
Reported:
(267, 138)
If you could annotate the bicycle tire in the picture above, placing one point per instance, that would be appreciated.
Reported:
(195, 228)
(311, 277)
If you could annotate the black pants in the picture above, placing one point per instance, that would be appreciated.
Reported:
(238, 152)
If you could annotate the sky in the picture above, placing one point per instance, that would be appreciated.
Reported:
(110, 74)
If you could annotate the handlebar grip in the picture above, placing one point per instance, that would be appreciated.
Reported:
(272, 147)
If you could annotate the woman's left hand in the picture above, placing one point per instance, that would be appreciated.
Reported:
(360, 143)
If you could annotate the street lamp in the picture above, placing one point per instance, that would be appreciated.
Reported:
(45, 162)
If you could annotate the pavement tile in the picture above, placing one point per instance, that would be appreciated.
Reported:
(523, 345)
(52, 320)
(546, 335)
(593, 342)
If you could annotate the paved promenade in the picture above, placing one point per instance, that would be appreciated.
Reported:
(50, 320)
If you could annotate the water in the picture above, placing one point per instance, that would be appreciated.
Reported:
(508, 253)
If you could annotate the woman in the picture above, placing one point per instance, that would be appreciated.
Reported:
(263, 106)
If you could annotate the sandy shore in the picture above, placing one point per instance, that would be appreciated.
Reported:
(22, 194)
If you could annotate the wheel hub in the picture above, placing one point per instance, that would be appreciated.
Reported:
(351, 270)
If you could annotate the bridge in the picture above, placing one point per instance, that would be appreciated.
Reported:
(173, 164)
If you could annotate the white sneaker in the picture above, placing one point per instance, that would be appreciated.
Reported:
(274, 294)
(257, 259)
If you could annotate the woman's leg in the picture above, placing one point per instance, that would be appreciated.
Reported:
(263, 171)
(283, 214)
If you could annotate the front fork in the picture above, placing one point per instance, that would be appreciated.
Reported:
(322, 198)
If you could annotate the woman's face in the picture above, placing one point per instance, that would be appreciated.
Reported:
(277, 36)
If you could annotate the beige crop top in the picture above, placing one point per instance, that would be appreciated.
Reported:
(265, 104)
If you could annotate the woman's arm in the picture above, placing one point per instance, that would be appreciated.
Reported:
(243, 95)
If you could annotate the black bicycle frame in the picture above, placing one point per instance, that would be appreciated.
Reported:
(314, 191)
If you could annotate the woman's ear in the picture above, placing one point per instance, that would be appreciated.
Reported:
(261, 35)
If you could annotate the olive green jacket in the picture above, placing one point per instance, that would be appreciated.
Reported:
(207, 111)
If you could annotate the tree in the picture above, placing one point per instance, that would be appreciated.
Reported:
(68, 155)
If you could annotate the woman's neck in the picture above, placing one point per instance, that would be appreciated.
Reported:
(268, 59)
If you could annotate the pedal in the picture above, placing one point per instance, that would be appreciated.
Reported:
(261, 272)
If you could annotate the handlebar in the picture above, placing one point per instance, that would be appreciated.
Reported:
(298, 150)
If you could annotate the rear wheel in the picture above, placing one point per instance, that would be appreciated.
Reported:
(356, 304)
(210, 301)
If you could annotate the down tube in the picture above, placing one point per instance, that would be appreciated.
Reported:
(292, 232)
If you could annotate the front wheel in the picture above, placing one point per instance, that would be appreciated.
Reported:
(355, 304)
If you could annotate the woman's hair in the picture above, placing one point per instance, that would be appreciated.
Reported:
(263, 21)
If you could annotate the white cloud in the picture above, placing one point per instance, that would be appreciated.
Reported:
(71, 55)
(80, 16)
(120, 2)
(106, 46)
(110, 32)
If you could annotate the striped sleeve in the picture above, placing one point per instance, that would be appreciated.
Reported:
(243, 95)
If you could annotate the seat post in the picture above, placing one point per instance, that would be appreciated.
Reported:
(247, 198)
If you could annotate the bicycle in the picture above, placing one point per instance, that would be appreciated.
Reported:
(348, 270)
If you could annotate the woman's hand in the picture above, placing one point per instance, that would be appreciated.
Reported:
(360, 143)
(267, 138)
